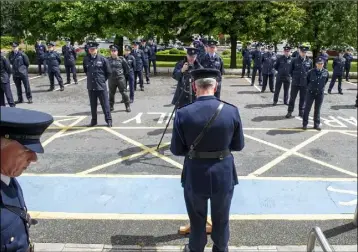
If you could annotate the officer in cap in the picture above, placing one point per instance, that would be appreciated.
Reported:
(316, 81)
(70, 55)
(181, 73)
(139, 56)
(147, 54)
(324, 55)
(257, 57)
(41, 50)
(338, 71)
(132, 66)
(5, 90)
(153, 55)
(246, 61)
(268, 72)
(206, 140)
(20, 132)
(98, 71)
(349, 58)
(117, 79)
(53, 60)
(282, 66)
(296, 53)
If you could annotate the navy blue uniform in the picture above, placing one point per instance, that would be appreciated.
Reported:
(153, 57)
(214, 62)
(257, 57)
(347, 66)
(338, 72)
(138, 54)
(204, 179)
(268, 71)
(147, 54)
(295, 54)
(5, 89)
(70, 57)
(53, 62)
(325, 58)
(132, 65)
(40, 56)
(246, 62)
(283, 67)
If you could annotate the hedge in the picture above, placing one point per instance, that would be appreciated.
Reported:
(6, 41)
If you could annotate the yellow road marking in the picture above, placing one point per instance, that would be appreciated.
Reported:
(66, 119)
(76, 132)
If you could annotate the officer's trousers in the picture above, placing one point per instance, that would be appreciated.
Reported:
(255, 69)
(52, 75)
(347, 70)
(293, 94)
(41, 62)
(102, 96)
(246, 64)
(24, 79)
(131, 86)
(138, 74)
(333, 81)
(146, 70)
(5, 91)
(270, 78)
(113, 84)
(154, 61)
(318, 100)
(218, 90)
(286, 86)
(197, 207)
(69, 69)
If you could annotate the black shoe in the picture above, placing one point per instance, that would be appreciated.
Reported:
(68, 82)
(111, 108)
(62, 88)
(148, 82)
(30, 100)
(122, 101)
(304, 127)
(252, 84)
(286, 103)
(51, 89)
(289, 115)
(347, 80)
(272, 91)
(142, 89)
(274, 103)
(340, 93)
(109, 123)
(262, 91)
(76, 83)
(19, 101)
(93, 123)
(329, 91)
(260, 84)
(317, 128)
(128, 108)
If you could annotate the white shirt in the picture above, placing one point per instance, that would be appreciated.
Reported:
(5, 179)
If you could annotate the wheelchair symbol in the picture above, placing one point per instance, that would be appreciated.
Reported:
(344, 203)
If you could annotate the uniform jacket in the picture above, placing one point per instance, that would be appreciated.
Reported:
(268, 63)
(98, 71)
(349, 59)
(283, 65)
(299, 70)
(208, 176)
(147, 52)
(295, 54)
(139, 59)
(70, 55)
(216, 62)
(316, 80)
(257, 56)
(119, 67)
(5, 70)
(338, 65)
(246, 55)
(153, 51)
(131, 62)
(20, 63)
(53, 60)
(40, 51)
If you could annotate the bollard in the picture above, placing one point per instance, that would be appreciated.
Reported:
(355, 217)
(316, 233)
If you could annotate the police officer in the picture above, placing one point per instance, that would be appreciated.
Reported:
(98, 70)
(316, 81)
(138, 54)
(349, 57)
(209, 171)
(70, 56)
(5, 89)
(324, 56)
(246, 61)
(181, 73)
(117, 79)
(132, 65)
(53, 60)
(338, 70)
(41, 50)
(86, 48)
(20, 132)
(257, 57)
(268, 72)
(20, 64)
(153, 55)
(296, 53)
(299, 69)
(214, 61)
(282, 66)
(147, 54)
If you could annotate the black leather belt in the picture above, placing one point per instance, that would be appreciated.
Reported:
(209, 155)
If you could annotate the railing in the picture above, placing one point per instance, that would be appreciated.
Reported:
(316, 233)
(355, 217)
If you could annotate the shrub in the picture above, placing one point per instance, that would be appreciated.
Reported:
(6, 40)
(226, 52)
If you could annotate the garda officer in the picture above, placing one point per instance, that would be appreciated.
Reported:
(41, 50)
(98, 71)
(70, 55)
(153, 55)
(201, 47)
(324, 56)
(86, 49)
(20, 64)
(282, 67)
(53, 60)
(214, 61)
(206, 140)
(147, 54)
(120, 71)
(349, 57)
(268, 72)
(338, 70)
(181, 73)
(257, 57)
(316, 81)
(296, 53)
(246, 61)
(138, 54)
(20, 132)
(132, 65)
(299, 69)
(5, 89)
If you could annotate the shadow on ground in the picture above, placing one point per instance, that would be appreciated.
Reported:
(145, 240)
(268, 118)
(338, 107)
(285, 131)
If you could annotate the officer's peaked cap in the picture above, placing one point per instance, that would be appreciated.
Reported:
(304, 48)
(212, 43)
(287, 47)
(323, 49)
(92, 45)
(205, 73)
(25, 126)
(128, 48)
(319, 60)
(270, 46)
(134, 42)
(114, 47)
(51, 43)
(192, 51)
(14, 44)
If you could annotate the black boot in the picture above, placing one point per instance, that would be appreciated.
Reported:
(19, 101)
(128, 108)
(93, 123)
(289, 115)
(109, 123)
(300, 114)
(51, 89)
(304, 127)
(30, 100)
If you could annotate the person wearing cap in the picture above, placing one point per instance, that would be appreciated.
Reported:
(120, 72)
(132, 66)
(138, 54)
(53, 60)
(20, 66)
(5, 89)
(316, 81)
(338, 71)
(97, 70)
(268, 72)
(296, 53)
(41, 51)
(20, 132)
(349, 58)
(212, 60)
(257, 57)
(298, 71)
(181, 73)
(147, 54)
(70, 56)
(153, 55)
(325, 56)
(246, 61)
(282, 66)
(209, 170)
(203, 48)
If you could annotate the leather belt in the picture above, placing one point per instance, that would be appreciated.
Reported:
(209, 155)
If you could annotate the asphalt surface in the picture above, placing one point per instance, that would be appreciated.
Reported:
(83, 151)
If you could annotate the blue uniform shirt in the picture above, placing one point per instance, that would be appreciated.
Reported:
(214, 61)
(283, 65)
(338, 65)
(316, 80)
(268, 62)
(348, 58)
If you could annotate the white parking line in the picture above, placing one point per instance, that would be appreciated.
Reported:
(35, 77)
(71, 83)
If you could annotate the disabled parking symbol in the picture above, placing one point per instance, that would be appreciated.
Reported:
(343, 191)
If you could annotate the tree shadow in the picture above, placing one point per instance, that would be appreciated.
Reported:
(257, 106)
(268, 118)
(352, 89)
(285, 131)
(168, 105)
(144, 240)
(338, 107)
(339, 230)
(41, 91)
(248, 92)
(158, 132)
(238, 85)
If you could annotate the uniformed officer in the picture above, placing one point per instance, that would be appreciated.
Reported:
(138, 54)
(132, 65)
(214, 61)
(296, 53)
(316, 81)
(299, 69)
(324, 55)
(201, 47)
(282, 66)
(70, 56)
(338, 70)
(153, 55)
(41, 50)
(257, 57)
(181, 73)
(86, 48)
(268, 72)
(5, 89)
(20, 132)
(53, 61)
(246, 61)
(20, 65)
(98, 71)
(147, 54)
(349, 58)
(206, 140)
(120, 72)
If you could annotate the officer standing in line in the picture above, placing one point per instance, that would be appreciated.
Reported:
(147, 54)
(246, 61)
(20, 65)
(132, 65)
(138, 54)
(97, 69)
(296, 53)
(268, 72)
(53, 60)
(153, 56)
(117, 79)
(338, 71)
(324, 55)
(70, 56)
(209, 170)
(299, 69)
(86, 48)
(316, 81)
(5, 89)
(41, 50)
(257, 57)
(203, 50)
(20, 132)
(282, 66)
(349, 57)
(214, 61)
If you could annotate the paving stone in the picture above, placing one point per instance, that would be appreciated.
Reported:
(53, 247)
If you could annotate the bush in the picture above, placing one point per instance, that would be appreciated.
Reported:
(165, 52)
(170, 57)
(173, 51)
(226, 52)
(6, 41)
